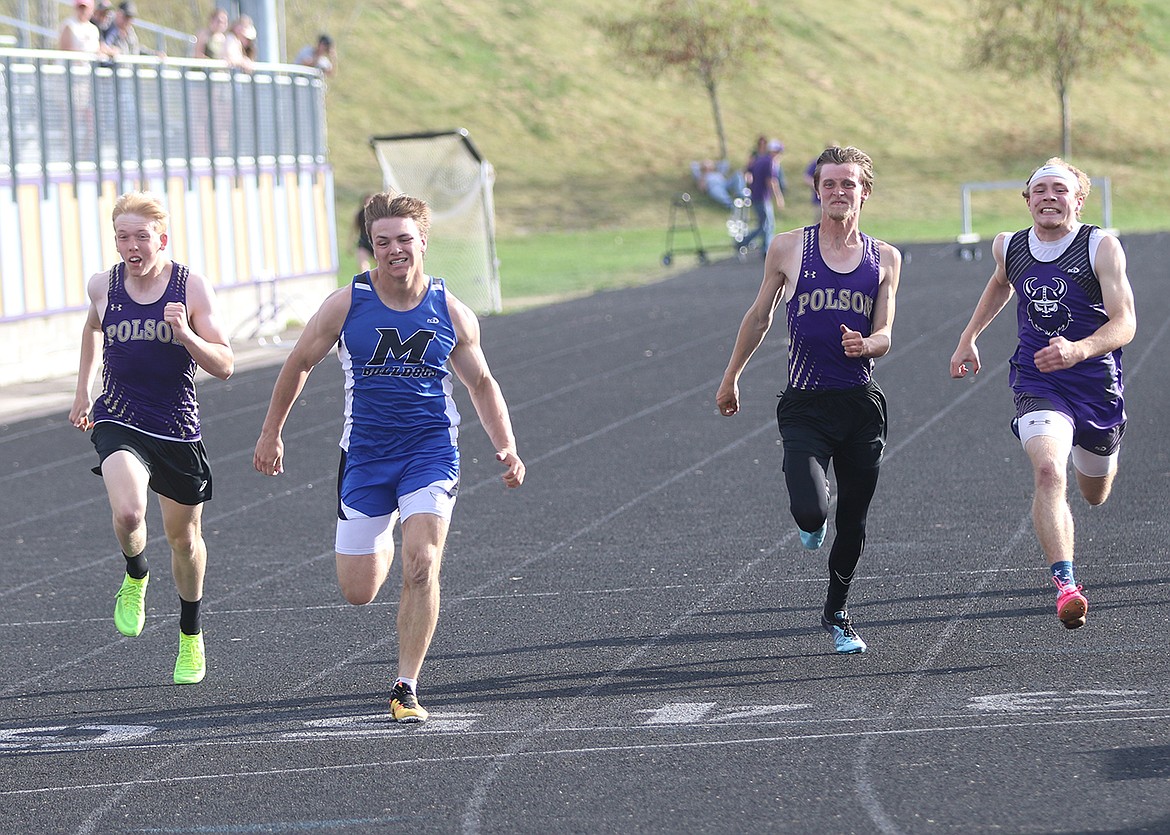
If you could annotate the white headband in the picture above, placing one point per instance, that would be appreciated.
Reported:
(1060, 172)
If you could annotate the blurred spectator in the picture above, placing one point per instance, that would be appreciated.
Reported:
(79, 33)
(241, 43)
(211, 40)
(321, 55)
(758, 151)
(718, 181)
(103, 17)
(809, 173)
(122, 36)
(365, 249)
(766, 178)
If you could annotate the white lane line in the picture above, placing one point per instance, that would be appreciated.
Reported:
(1043, 723)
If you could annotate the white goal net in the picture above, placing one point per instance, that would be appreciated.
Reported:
(445, 169)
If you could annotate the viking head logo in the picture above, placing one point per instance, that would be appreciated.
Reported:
(1046, 309)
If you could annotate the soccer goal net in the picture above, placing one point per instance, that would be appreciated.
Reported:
(445, 169)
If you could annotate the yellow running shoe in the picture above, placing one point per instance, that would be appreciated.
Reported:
(191, 665)
(405, 706)
(130, 606)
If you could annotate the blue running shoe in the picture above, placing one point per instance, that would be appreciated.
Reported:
(845, 637)
(813, 541)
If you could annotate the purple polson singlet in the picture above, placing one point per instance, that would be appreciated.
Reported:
(148, 377)
(823, 300)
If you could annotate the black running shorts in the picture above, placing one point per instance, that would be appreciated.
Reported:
(178, 470)
(848, 424)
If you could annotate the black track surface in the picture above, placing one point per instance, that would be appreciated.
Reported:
(630, 642)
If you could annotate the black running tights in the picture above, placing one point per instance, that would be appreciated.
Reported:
(808, 493)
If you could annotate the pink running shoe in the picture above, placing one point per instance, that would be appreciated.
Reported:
(1071, 605)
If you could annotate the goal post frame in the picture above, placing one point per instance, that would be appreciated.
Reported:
(482, 291)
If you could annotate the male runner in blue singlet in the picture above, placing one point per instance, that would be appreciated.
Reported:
(838, 285)
(151, 321)
(1075, 313)
(396, 330)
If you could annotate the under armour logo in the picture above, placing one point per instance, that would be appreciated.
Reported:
(810, 274)
(1039, 422)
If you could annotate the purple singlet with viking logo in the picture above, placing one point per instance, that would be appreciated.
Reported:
(148, 378)
(1062, 298)
(822, 301)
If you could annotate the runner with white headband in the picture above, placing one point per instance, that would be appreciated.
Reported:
(1075, 313)
(1056, 170)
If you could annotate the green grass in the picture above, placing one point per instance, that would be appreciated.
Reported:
(539, 268)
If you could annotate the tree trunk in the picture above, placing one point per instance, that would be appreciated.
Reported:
(713, 94)
(1065, 123)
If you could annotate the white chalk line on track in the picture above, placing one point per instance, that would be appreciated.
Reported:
(1043, 722)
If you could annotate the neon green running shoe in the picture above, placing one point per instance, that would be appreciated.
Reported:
(191, 665)
(130, 606)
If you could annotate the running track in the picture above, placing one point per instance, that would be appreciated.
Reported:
(629, 643)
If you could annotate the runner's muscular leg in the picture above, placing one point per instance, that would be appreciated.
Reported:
(360, 576)
(423, 538)
(1095, 489)
(183, 525)
(126, 480)
(1051, 515)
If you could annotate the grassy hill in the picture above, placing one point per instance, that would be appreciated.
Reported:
(579, 142)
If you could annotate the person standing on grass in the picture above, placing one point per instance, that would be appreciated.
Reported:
(838, 285)
(767, 193)
(398, 334)
(1075, 312)
(155, 322)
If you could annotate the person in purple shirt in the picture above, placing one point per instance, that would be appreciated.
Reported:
(151, 322)
(766, 181)
(1075, 312)
(838, 285)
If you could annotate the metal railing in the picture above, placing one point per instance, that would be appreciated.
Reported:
(29, 35)
(239, 159)
(64, 112)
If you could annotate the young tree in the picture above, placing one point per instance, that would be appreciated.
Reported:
(710, 39)
(1060, 38)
